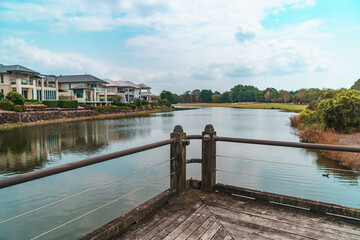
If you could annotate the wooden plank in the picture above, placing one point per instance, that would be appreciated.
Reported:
(277, 227)
(241, 232)
(185, 224)
(228, 237)
(211, 231)
(173, 225)
(296, 217)
(118, 226)
(314, 206)
(204, 215)
(202, 229)
(220, 234)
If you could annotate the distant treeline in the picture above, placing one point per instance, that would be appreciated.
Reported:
(244, 93)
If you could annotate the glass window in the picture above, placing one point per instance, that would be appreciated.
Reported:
(2, 78)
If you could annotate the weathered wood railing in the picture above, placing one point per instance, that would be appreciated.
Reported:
(178, 142)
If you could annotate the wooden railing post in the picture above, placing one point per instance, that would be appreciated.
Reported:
(208, 172)
(178, 161)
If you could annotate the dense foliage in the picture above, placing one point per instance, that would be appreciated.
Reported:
(243, 93)
(51, 103)
(1, 96)
(334, 109)
(110, 109)
(6, 105)
(18, 108)
(68, 103)
(16, 98)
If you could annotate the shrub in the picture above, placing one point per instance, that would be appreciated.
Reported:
(18, 108)
(6, 105)
(32, 101)
(16, 98)
(102, 109)
(51, 103)
(342, 112)
(1, 96)
(309, 117)
(68, 103)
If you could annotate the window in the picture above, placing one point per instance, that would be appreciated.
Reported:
(69, 85)
(2, 78)
(17, 74)
(79, 93)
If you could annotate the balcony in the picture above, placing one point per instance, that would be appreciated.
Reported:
(100, 89)
(26, 82)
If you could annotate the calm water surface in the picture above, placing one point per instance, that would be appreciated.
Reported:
(30, 148)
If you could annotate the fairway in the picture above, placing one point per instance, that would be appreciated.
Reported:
(252, 105)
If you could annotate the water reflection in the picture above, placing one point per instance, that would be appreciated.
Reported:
(29, 148)
(334, 168)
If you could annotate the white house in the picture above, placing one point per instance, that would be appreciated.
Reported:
(128, 91)
(27, 82)
(86, 89)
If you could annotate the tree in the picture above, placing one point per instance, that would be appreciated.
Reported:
(16, 98)
(1, 96)
(225, 97)
(342, 112)
(244, 93)
(195, 95)
(205, 96)
(356, 85)
(216, 98)
(284, 96)
(167, 95)
(271, 95)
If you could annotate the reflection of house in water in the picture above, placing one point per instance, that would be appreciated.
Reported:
(25, 149)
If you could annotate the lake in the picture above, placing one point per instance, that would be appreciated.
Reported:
(30, 148)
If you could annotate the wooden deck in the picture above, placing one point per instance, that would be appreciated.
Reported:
(219, 216)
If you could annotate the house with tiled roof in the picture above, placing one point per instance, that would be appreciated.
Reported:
(27, 82)
(86, 89)
(128, 91)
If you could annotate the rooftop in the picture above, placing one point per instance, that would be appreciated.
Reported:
(113, 83)
(80, 78)
(15, 68)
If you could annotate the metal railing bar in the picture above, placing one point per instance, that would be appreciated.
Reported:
(290, 164)
(193, 137)
(287, 180)
(26, 177)
(289, 144)
(102, 206)
(85, 191)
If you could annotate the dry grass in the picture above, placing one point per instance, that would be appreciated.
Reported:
(330, 137)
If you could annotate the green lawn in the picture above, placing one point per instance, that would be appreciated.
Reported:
(283, 106)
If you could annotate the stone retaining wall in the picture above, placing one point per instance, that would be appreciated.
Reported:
(25, 117)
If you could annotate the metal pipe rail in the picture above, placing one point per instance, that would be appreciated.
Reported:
(26, 177)
(289, 144)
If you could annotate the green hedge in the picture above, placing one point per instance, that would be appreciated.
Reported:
(61, 103)
(102, 109)
(68, 103)
(51, 104)
(32, 101)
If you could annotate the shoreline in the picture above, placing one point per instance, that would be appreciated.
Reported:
(349, 159)
(249, 105)
(8, 126)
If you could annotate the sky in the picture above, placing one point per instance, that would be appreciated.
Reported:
(188, 44)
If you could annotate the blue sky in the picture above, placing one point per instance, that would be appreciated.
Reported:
(183, 45)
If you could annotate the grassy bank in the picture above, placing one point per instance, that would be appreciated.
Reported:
(7, 126)
(283, 106)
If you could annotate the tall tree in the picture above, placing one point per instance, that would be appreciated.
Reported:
(205, 96)
(167, 95)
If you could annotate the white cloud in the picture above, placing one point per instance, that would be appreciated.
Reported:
(191, 40)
